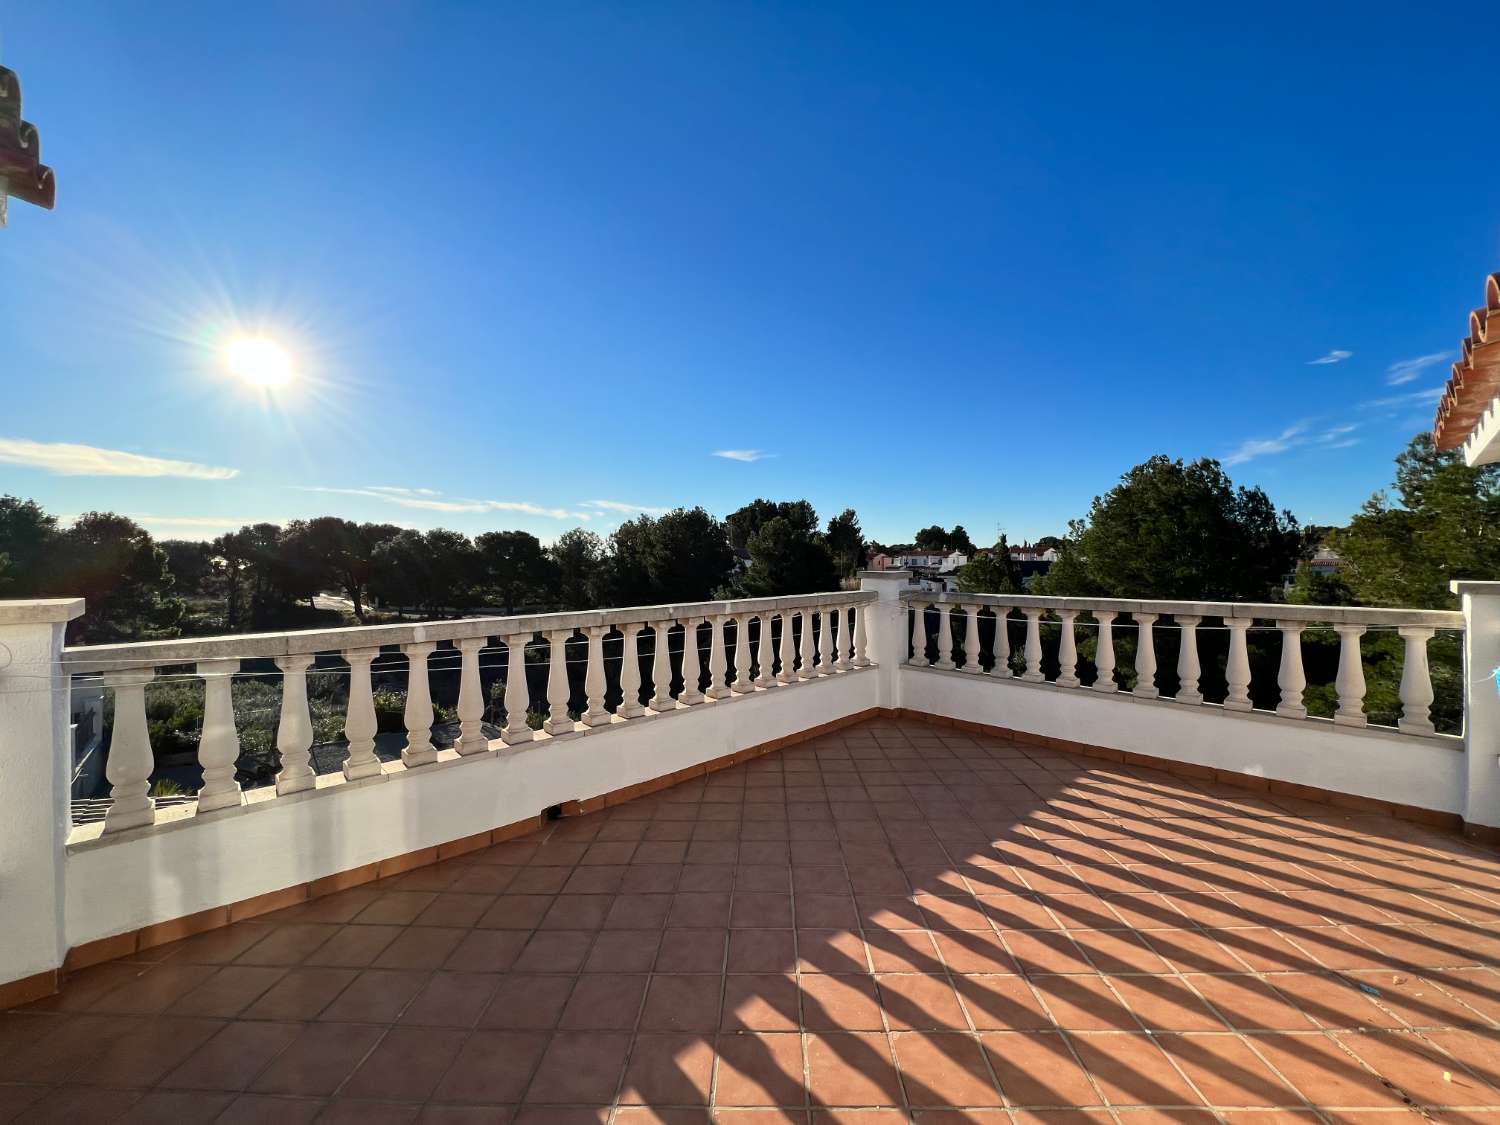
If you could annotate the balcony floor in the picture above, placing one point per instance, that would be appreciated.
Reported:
(895, 918)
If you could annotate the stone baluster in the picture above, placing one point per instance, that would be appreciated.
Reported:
(419, 750)
(630, 673)
(294, 729)
(742, 659)
(661, 667)
(594, 685)
(1416, 681)
(1104, 652)
(945, 636)
(861, 637)
(471, 739)
(1033, 673)
(130, 760)
(1067, 649)
(919, 635)
(787, 673)
(1188, 669)
(1000, 647)
(219, 742)
(1290, 678)
(718, 659)
(828, 644)
(805, 669)
(359, 721)
(971, 640)
(1145, 657)
(517, 694)
(846, 638)
(1349, 681)
(1237, 667)
(765, 676)
(692, 664)
(558, 721)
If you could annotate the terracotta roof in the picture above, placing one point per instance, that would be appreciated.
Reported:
(20, 149)
(1475, 381)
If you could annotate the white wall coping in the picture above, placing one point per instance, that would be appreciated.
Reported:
(37, 611)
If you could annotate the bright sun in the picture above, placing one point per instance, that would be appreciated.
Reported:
(259, 361)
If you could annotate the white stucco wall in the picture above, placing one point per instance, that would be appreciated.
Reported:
(1369, 762)
(169, 870)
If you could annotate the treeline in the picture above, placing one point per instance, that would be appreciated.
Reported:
(267, 576)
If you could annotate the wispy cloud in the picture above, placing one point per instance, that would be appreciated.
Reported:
(628, 509)
(1301, 435)
(1423, 397)
(429, 500)
(197, 527)
(743, 454)
(1338, 355)
(1404, 371)
(68, 460)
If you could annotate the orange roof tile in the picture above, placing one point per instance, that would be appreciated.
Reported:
(1475, 381)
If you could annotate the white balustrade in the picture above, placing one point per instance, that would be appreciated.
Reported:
(828, 645)
(718, 659)
(1188, 669)
(971, 640)
(742, 661)
(471, 738)
(945, 637)
(787, 673)
(631, 706)
(517, 694)
(130, 760)
(805, 669)
(1290, 678)
(1104, 652)
(359, 720)
(597, 715)
(294, 729)
(692, 666)
(1033, 673)
(1416, 681)
(1350, 680)
(219, 742)
(1000, 646)
(765, 676)
(661, 667)
(1145, 657)
(919, 634)
(1237, 666)
(558, 721)
(846, 638)
(1067, 650)
(861, 638)
(419, 749)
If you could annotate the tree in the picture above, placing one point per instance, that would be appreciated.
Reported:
(1445, 525)
(513, 566)
(578, 566)
(786, 559)
(741, 526)
(345, 553)
(1175, 530)
(933, 539)
(26, 533)
(994, 573)
(115, 566)
(682, 556)
(191, 564)
(846, 542)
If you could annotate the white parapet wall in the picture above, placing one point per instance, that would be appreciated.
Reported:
(1387, 765)
(127, 880)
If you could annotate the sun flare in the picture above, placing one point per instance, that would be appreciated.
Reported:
(259, 361)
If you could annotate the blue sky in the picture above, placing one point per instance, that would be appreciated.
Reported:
(940, 264)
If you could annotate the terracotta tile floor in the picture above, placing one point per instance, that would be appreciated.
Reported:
(893, 922)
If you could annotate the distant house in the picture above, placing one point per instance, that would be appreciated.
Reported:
(1031, 554)
(1325, 562)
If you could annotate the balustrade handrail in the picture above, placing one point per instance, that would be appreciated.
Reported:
(1240, 611)
(250, 646)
